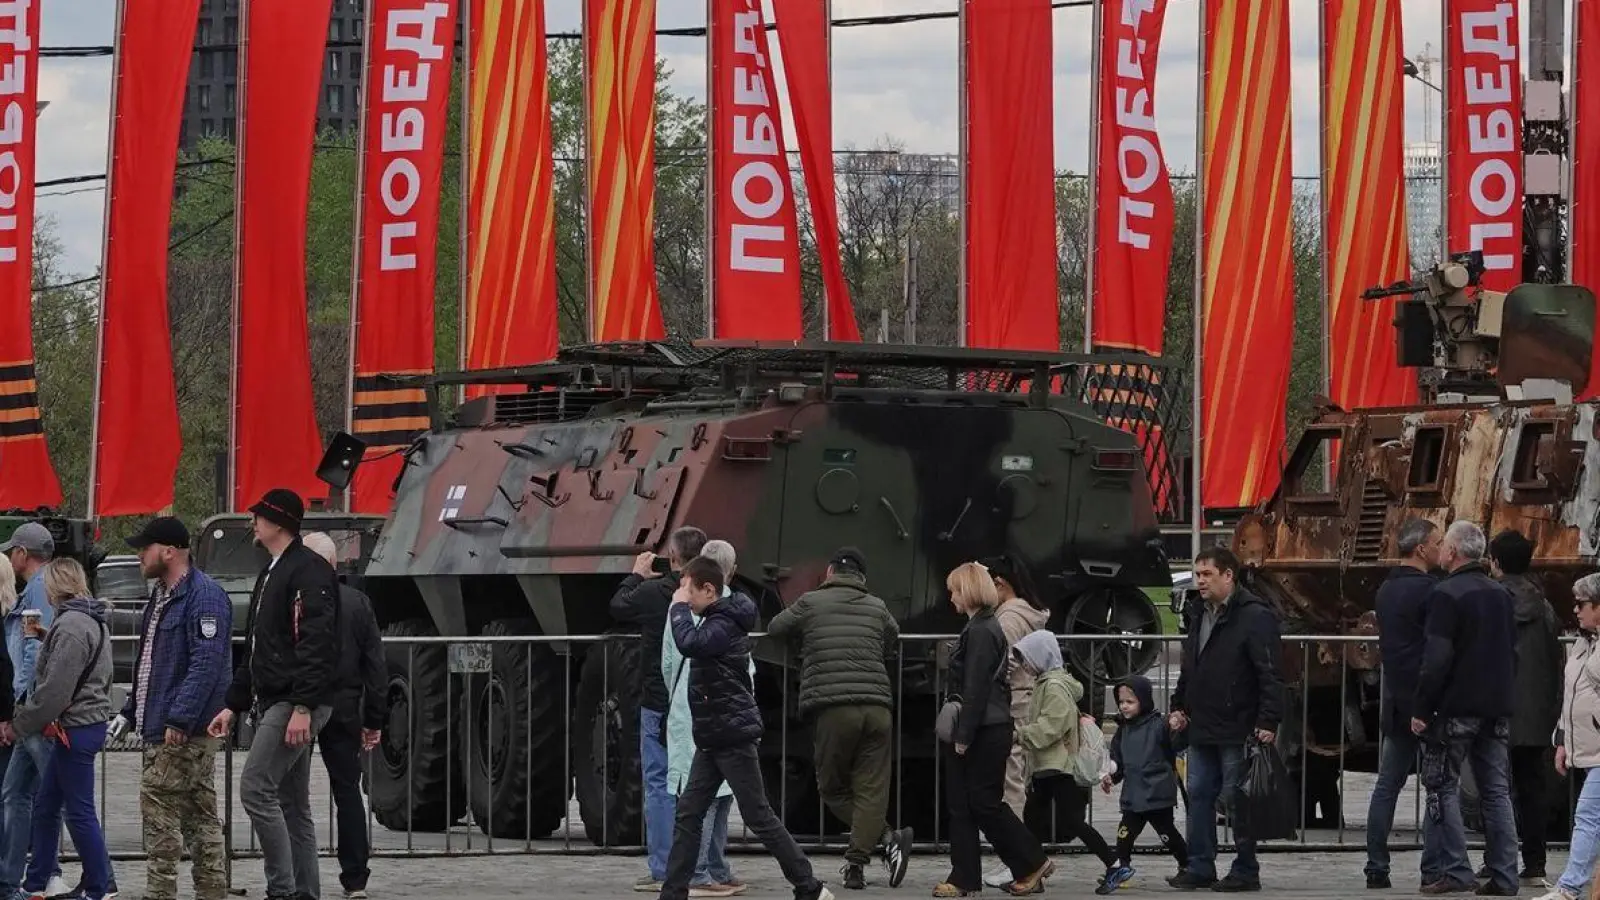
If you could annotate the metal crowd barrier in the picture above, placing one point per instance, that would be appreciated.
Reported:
(119, 767)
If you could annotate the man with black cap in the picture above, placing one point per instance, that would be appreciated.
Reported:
(845, 636)
(287, 679)
(180, 680)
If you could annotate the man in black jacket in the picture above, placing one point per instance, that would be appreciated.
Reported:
(356, 724)
(1463, 706)
(727, 728)
(286, 678)
(1402, 608)
(1540, 662)
(642, 600)
(1228, 691)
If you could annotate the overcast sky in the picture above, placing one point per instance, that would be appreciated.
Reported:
(889, 81)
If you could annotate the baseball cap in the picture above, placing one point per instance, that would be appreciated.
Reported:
(849, 558)
(165, 530)
(32, 537)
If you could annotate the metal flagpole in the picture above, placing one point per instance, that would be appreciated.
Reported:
(1322, 190)
(1095, 56)
(827, 37)
(1196, 502)
(962, 299)
(241, 158)
(711, 169)
(1574, 42)
(105, 259)
(464, 318)
(586, 134)
(1444, 134)
(355, 256)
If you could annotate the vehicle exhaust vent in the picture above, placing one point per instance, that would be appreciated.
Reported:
(531, 407)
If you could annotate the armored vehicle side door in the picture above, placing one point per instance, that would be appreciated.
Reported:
(848, 485)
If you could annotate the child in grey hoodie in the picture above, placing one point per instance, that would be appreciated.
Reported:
(70, 705)
(1143, 752)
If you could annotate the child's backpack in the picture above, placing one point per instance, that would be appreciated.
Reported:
(1090, 757)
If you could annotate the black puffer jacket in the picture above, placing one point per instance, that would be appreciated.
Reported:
(722, 701)
(643, 602)
(1231, 687)
(978, 676)
(292, 652)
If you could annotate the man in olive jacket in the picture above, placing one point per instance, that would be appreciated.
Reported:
(845, 636)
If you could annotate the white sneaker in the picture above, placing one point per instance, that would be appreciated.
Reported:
(998, 877)
(1557, 894)
(57, 887)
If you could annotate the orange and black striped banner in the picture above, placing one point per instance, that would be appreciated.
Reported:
(1366, 242)
(511, 211)
(387, 414)
(1247, 270)
(619, 45)
(27, 479)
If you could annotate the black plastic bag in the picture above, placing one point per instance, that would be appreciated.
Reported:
(1267, 799)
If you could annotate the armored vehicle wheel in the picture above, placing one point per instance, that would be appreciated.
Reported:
(512, 755)
(605, 738)
(411, 782)
(1121, 614)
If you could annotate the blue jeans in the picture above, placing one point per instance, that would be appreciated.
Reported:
(1585, 838)
(29, 757)
(1215, 773)
(66, 790)
(713, 865)
(1445, 746)
(1396, 758)
(660, 807)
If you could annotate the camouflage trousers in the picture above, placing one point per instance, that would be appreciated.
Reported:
(178, 800)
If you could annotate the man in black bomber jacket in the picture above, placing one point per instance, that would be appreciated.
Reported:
(286, 676)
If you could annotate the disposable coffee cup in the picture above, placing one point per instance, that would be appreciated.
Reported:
(31, 618)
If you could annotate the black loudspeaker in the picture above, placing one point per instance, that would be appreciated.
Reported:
(338, 465)
(1413, 333)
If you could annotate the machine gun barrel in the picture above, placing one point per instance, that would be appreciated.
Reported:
(1398, 289)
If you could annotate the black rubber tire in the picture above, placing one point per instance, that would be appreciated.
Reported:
(511, 748)
(1115, 611)
(422, 792)
(605, 741)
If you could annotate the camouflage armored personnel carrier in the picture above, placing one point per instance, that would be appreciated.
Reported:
(520, 515)
(1496, 439)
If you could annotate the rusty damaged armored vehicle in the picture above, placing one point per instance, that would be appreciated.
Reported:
(520, 514)
(1496, 439)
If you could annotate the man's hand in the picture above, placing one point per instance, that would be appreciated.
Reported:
(175, 737)
(680, 595)
(1265, 736)
(1561, 760)
(1418, 726)
(1105, 783)
(298, 732)
(643, 564)
(219, 726)
(961, 749)
(370, 738)
(8, 735)
(118, 725)
(1177, 721)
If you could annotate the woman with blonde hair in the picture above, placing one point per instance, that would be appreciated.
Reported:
(69, 705)
(975, 728)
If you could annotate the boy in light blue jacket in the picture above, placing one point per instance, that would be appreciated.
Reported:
(713, 876)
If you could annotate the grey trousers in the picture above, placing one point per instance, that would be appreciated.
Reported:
(275, 788)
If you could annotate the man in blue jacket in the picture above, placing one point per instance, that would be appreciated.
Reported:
(180, 680)
(1402, 609)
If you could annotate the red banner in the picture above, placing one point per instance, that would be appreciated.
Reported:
(1011, 296)
(137, 439)
(1247, 270)
(1483, 123)
(619, 44)
(1366, 241)
(409, 49)
(276, 441)
(755, 287)
(1133, 195)
(1583, 213)
(511, 207)
(27, 479)
(803, 36)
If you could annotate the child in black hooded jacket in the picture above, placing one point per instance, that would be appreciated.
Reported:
(1143, 751)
